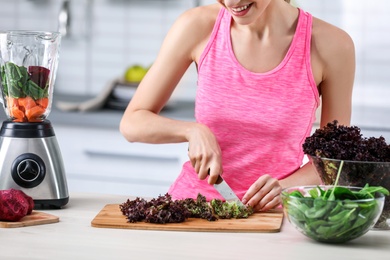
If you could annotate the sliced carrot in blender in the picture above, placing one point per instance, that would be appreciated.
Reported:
(43, 102)
(12, 102)
(27, 103)
(35, 114)
(16, 114)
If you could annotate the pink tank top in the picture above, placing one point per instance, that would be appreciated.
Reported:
(259, 119)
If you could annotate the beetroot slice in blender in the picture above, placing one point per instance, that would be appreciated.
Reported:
(39, 75)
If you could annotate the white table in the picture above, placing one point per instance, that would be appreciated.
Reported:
(73, 238)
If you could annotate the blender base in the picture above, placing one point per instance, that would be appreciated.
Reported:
(30, 160)
(50, 204)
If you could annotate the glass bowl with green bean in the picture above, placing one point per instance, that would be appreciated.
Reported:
(357, 174)
(333, 214)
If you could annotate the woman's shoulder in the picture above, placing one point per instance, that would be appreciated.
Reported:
(331, 39)
(194, 27)
(200, 18)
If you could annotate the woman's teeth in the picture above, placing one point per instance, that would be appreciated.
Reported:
(239, 9)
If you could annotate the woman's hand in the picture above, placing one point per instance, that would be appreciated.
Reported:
(264, 194)
(204, 153)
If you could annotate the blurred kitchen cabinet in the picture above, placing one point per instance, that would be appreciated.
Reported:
(101, 160)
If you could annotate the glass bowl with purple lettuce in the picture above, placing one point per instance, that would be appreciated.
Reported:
(363, 160)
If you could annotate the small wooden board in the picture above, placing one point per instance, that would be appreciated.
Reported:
(268, 222)
(35, 218)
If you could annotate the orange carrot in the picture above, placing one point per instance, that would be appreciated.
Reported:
(35, 114)
(17, 114)
(12, 102)
(27, 103)
(43, 102)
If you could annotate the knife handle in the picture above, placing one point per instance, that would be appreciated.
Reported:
(219, 180)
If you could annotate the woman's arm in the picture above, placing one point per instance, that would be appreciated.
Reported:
(333, 63)
(141, 121)
(306, 175)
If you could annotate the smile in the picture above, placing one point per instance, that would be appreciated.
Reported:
(241, 8)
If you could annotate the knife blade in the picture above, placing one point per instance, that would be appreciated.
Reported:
(226, 192)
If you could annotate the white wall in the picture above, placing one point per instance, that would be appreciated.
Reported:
(368, 23)
(120, 33)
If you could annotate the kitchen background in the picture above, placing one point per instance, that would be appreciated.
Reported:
(107, 36)
(104, 37)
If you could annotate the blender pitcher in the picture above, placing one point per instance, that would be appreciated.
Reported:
(30, 158)
(28, 62)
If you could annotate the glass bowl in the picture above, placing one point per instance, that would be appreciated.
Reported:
(357, 174)
(330, 221)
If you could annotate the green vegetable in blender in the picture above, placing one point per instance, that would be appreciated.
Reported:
(18, 82)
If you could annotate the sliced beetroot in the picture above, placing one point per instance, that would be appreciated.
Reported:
(39, 75)
(14, 205)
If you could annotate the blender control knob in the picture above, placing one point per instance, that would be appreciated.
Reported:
(28, 170)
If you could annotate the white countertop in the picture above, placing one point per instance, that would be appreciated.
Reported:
(74, 238)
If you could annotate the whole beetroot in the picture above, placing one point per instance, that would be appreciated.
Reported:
(14, 205)
(30, 201)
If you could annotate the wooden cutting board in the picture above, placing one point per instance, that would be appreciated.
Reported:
(111, 217)
(35, 218)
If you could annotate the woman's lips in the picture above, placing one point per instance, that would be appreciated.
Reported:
(241, 10)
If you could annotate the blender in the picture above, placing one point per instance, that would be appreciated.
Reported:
(30, 158)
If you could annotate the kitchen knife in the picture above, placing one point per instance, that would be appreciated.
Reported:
(226, 192)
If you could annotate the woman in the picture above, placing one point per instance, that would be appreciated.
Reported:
(262, 67)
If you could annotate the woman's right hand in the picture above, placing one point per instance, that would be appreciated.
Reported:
(204, 153)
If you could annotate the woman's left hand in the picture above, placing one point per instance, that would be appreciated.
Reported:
(264, 194)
